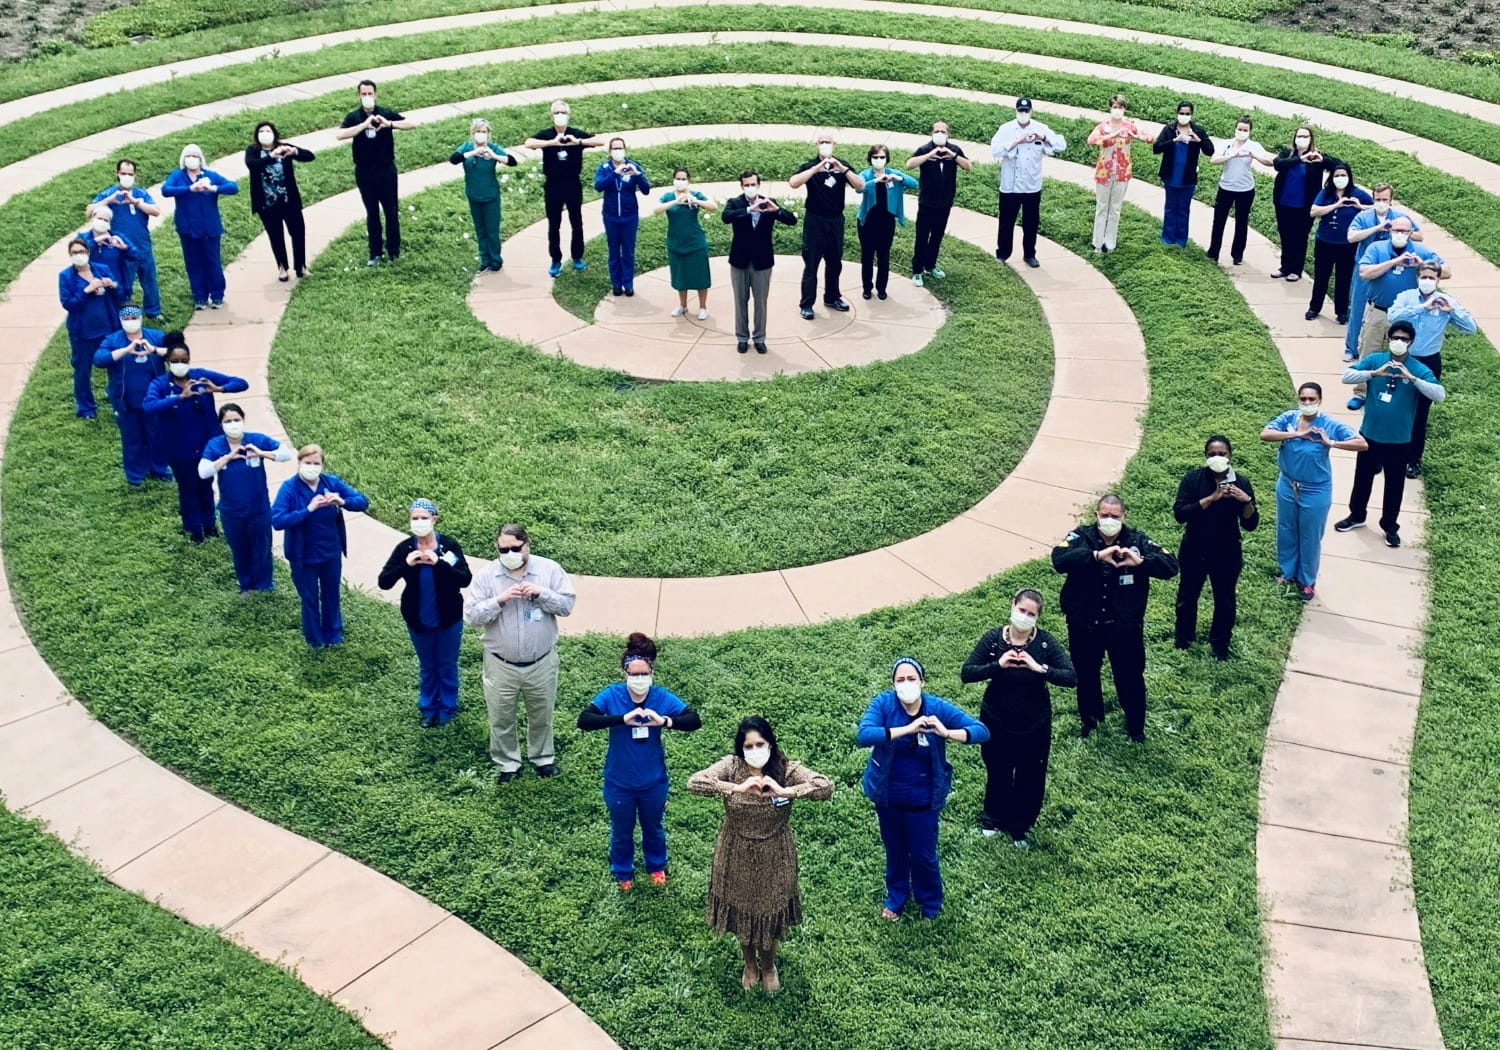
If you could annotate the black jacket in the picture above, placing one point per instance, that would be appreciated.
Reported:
(1214, 532)
(751, 244)
(1016, 699)
(256, 160)
(1313, 178)
(1095, 592)
(1163, 145)
(447, 580)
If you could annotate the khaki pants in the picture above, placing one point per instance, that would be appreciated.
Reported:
(1108, 198)
(505, 685)
(1372, 329)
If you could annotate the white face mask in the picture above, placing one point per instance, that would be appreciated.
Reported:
(639, 684)
(192, 163)
(1340, 181)
(560, 120)
(939, 138)
(131, 327)
(1217, 464)
(367, 102)
(178, 369)
(878, 163)
(127, 182)
(234, 428)
(1023, 117)
(757, 755)
(680, 185)
(1242, 135)
(1021, 621)
(1302, 141)
(825, 149)
(1426, 285)
(421, 527)
(265, 137)
(100, 225)
(1399, 239)
(750, 192)
(1117, 113)
(1110, 527)
(1184, 119)
(1382, 208)
(1399, 347)
(617, 155)
(80, 259)
(513, 559)
(908, 692)
(1310, 410)
(481, 138)
(310, 472)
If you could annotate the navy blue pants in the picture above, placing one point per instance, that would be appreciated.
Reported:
(317, 584)
(81, 353)
(911, 860)
(1174, 216)
(195, 496)
(437, 670)
(205, 271)
(619, 235)
(139, 455)
(626, 806)
(249, 539)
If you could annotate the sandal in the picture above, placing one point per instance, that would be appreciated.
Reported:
(750, 977)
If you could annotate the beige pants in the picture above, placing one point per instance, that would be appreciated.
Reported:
(1108, 199)
(1372, 328)
(505, 686)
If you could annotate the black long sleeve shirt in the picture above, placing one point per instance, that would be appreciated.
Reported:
(1016, 699)
(1216, 530)
(1096, 592)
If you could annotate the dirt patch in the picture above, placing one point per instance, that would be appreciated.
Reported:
(29, 28)
(1442, 28)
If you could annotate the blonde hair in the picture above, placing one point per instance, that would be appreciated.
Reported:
(478, 124)
(1118, 100)
(309, 450)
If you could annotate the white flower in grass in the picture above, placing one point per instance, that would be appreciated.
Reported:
(411, 207)
(466, 236)
(624, 105)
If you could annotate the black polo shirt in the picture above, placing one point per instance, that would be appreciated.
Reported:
(825, 190)
(562, 163)
(938, 178)
(374, 149)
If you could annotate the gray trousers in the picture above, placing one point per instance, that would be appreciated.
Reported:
(505, 687)
(744, 283)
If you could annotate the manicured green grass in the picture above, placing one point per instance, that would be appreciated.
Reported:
(655, 479)
(85, 965)
(1133, 922)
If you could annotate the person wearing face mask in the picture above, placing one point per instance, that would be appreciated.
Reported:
(274, 195)
(517, 599)
(1179, 145)
(200, 229)
(881, 210)
(481, 159)
(309, 509)
(1369, 228)
(908, 778)
(826, 178)
(754, 215)
(635, 712)
(1019, 145)
(1236, 189)
(1300, 171)
(937, 162)
(132, 210)
(1112, 171)
(132, 356)
(1109, 567)
(1017, 661)
(687, 244)
(105, 246)
(370, 131)
(622, 183)
(433, 567)
(1398, 384)
(237, 459)
(752, 888)
(87, 292)
(562, 147)
(1335, 209)
(180, 408)
(1388, 268)
(1430, 311)
(1304, 486)
(1214, 504)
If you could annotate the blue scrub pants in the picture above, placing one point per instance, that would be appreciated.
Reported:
(317, 584)
(1174, 216)
(138, 454)
(1359, 296)
(437, 670)
(1301, 516)
(144, 269)
(626, 806)
(81, 353)
(195, 496)
(200, 255)
(911, 860)
(619, 234)
(249, 539)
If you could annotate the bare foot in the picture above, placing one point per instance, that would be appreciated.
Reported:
(751, 977)
(887, 914)
(773, 981)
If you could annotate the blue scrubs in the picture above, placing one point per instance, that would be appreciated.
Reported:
(635, 779)
(182, 427)
(1304, 493)
(129, 379)
(245, 510)
(90, 319)
(621, 219)
(132, 224)
(200, 229)
(314, 545)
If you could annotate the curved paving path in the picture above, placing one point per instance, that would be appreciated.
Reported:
(1315, 933)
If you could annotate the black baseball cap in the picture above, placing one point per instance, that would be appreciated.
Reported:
(1023, 103)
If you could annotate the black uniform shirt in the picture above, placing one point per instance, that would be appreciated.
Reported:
(374, 148)
(563, 163)
(938, 178)
(1098, 592)
(825, 190)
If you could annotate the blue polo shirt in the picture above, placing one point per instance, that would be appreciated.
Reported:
(1383, 290)
(1334, 227)
(1366, 219)
(1305, 460)
(1391, 406)
(129, 221)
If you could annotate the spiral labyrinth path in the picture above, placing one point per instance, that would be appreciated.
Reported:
(1346, 952)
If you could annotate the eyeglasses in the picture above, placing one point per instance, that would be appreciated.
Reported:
(511, 550)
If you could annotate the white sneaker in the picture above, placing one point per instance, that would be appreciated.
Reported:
(939, 274)
(1020, 844)
(916, 279)
(989, 833)
(703, 314)
(678, 311)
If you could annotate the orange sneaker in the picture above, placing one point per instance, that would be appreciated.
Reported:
(625, 885)
(658, 878)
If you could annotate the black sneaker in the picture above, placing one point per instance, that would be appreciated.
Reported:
(1414, 470)
(1392, 539)
(504, 776)
(1031, 261)
(1137, 738)
(1086, 729)
(760, 348)
(807, 314)
(1221, 655)
(549, 770)
(1348, 524)
(742, 346)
